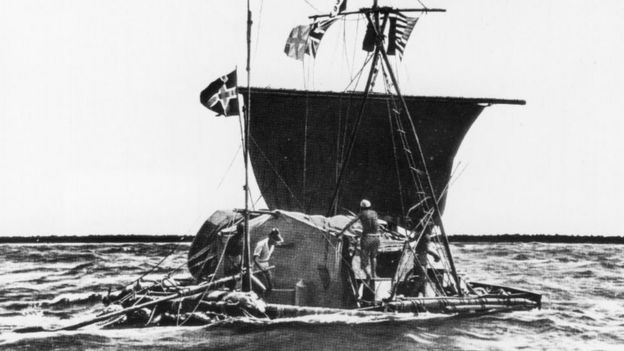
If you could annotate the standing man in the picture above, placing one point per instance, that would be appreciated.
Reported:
(262, 254)
(421, 263)
(369, 242)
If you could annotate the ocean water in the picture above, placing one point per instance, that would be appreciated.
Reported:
(57, 284)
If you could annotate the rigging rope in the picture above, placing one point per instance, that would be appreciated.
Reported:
(452, 180)
(206, 290)
(358, 75)
(229, 167)
(426, 222)
(292, 194)
(305, 147)
(312, 6)
(357, 32)
(153, 268)
(343, 125)
(344, 45)
(411, 163)
(396, 159)
(258, 27)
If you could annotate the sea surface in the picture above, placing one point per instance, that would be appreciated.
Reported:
(57, 284)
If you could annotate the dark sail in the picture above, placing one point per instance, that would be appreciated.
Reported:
(299, 140)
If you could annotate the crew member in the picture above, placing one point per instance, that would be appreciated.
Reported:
(421, 262)
(369, 241)
(262, 255)
(233, 255)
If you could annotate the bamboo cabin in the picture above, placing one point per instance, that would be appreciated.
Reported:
(312, 267)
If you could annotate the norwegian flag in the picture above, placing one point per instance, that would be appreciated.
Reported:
(221, 96)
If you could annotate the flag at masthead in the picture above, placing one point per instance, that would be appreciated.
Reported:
(305, 39)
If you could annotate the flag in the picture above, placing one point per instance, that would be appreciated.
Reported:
(398, 33)
(400, 30)
(297, 42)
(221, 96)
(369, 38)
(306, 39)
(317, 30)
(338, 8)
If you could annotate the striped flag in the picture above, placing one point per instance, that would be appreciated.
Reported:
(401, 28)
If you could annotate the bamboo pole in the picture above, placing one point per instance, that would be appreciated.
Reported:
(461, 304)
(182, 293)
(437, 214)
(246, 285)
(369, 84)
(384, 9)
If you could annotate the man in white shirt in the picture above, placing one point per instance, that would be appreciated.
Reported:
(262, 254)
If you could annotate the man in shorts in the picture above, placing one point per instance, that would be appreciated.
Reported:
(369, 241)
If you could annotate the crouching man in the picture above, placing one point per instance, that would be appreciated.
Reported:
(262, 254)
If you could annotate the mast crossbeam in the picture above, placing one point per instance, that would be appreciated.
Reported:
(378, 10)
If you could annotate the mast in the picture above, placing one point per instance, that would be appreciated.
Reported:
(437, 213)
(375, 10)
(246, 284)
(380, 52)
(380, 49)
(333, 209)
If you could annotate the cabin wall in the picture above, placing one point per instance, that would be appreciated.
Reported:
(309, 256)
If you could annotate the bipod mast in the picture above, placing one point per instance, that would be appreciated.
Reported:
(375, 11)
(378, 23)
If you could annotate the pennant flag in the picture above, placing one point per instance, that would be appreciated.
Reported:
(338, 8)
(369, 39)
(221, 96)
(400, 30)
(306, 39)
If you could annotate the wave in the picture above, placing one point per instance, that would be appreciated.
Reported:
(62, 301)
(111, 239)
(582, 289)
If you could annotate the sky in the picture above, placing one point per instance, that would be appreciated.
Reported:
(101, 130)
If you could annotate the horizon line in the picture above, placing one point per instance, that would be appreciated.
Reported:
(172, 238)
